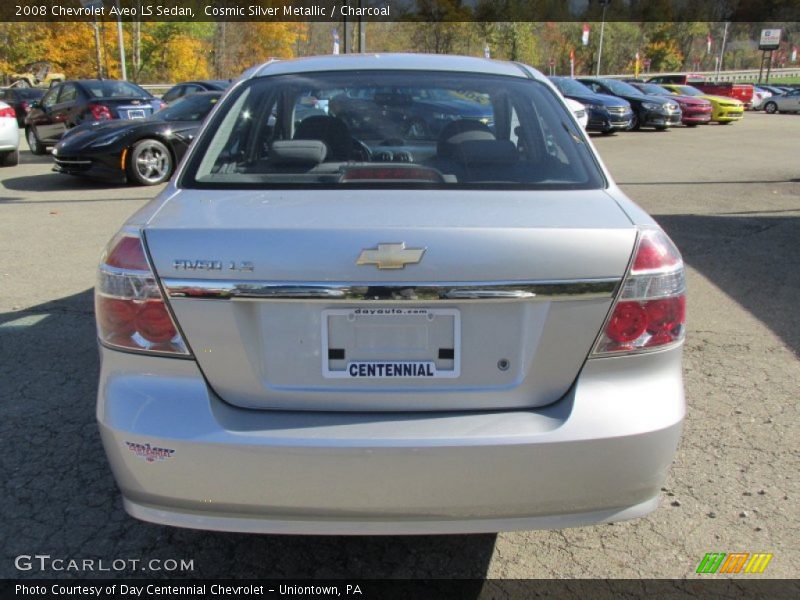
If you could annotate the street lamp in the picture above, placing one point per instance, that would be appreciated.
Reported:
(604, 4)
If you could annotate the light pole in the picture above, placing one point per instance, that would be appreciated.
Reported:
(124, 70)
(604, 4)
(722, 51)
(95, 4)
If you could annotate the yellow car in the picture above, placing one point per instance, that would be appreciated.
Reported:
(723, 109)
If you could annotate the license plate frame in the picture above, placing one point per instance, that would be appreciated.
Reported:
(421, 369)
(136, 113)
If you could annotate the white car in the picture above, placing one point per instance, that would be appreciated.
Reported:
(579, 110)
(760, 97)
(9, 136)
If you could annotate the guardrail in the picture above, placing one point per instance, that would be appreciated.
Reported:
(746, 75)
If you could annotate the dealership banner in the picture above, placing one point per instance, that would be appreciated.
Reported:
(396, 10)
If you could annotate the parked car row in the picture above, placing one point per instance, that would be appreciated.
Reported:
(118, 131)
(615, 105)
(109, 129)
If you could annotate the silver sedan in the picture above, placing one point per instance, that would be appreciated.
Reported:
(788, 102)
(421, 306)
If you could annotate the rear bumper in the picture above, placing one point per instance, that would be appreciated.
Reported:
(599, 454)
(9, 135)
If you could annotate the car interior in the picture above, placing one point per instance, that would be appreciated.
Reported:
(377, 134)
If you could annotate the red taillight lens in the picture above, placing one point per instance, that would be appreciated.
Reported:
(100, 112)
(8, 111)
(628, 322)
(651, 308)
(154, 323)
(130, 310)
(655, 252)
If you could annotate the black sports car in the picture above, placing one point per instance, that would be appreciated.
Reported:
(142, 151)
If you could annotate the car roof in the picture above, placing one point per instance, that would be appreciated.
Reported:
(214, 82)
(422, 62)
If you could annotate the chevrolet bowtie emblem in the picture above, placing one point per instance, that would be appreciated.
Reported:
(390, 256)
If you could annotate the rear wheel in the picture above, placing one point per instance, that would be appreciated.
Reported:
(34, 144)
(770, 108)
(608, 132)
(10, 159)
(690, 124)
(724, 122)
(661, 127)
(149, 163)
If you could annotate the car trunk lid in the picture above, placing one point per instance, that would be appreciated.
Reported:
(500, 311)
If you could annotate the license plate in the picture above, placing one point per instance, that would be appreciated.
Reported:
(391, 343)
(136, 114)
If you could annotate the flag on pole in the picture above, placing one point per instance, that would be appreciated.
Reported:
(794, 53)
(585, 37)
(572, 63)
(636, 66)
(335, 41)
(708, 44)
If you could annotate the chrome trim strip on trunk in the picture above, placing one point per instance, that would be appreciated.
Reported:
(392, 291)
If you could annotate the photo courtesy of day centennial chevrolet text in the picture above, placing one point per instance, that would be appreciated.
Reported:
(390, 294)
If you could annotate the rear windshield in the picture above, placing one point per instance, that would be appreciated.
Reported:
(188, 108)
(392, 129)
(570, 86)
(114, 89)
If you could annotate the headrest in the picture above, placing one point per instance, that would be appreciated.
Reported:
(460, 131)
(472, 152)
(298, 152)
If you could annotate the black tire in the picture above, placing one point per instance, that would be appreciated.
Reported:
(608, 132)
(149, 163)
(725, 122)
(10, 159)
(34, 144)
(770, 108)
(661, 127)
(691, 124)
(635, 123)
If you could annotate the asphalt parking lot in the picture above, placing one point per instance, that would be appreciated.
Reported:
(728, 195)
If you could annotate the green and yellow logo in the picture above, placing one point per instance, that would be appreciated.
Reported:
(736, 562)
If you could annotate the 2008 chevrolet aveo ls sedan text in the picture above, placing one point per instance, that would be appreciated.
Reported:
(348, 315)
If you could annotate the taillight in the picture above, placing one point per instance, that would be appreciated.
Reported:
(130, 310)
(650, 311)
(100, 112)
(8, 111)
